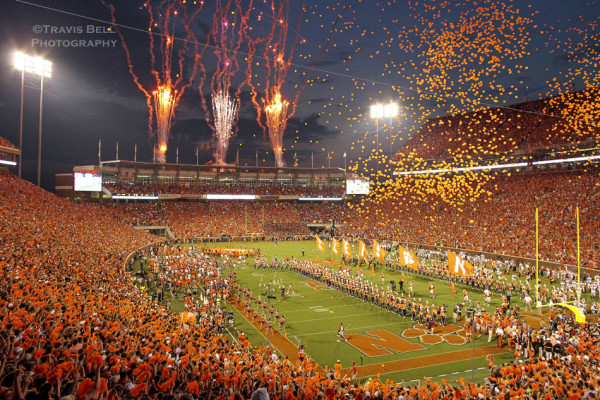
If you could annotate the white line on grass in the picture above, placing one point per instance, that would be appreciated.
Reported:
(440, 376)
(268, 341)
(401, 320)
(322, 306)
(367, 328)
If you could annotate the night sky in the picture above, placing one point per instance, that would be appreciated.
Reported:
(402, 51)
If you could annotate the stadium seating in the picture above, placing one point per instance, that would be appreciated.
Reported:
(494, 132)
(75, 326)
(502, 222)
(264, 190)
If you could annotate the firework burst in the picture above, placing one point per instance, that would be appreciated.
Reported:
(276, 112)
(169, 82)
(164, 106)
(225, 110)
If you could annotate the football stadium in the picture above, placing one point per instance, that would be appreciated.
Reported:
(452, 252)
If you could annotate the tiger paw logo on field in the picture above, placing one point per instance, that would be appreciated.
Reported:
(451, 334)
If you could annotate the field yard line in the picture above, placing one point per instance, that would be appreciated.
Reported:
(426, 361)
(258, 330)
(401, 320)
(320, 306)
(449, 373)
(283, 341)
(369, 328)
(329, 317)
(232, 337)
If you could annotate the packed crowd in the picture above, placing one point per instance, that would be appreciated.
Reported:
(77, 325)
(6, 143)
(203, 188)
(502, 223)
(191, 220)
(490, 132)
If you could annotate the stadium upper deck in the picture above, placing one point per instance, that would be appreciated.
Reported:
(533, 127)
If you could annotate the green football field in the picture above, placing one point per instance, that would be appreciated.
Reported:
(314, 312)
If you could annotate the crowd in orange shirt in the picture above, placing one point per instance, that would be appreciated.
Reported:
(503, 222)
(199, 188)
(497, 131)
(75, 326)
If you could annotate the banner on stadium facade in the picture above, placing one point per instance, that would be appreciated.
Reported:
(320, 244)
(408, 258)
(362, 250)
(220, 251)
(378, 252)
(458, 265)
(335, 246)
(193, 196)
(346, 248)
(169, 196)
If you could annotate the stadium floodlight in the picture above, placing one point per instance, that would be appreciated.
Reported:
(43, 68)
(379, 111)
(390, 110)
(376, 111)
(500, 166)
(36, 65)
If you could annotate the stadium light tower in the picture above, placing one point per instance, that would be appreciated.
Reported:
(42, 68)
(379, 111)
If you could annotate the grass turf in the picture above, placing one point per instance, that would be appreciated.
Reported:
(313, 315)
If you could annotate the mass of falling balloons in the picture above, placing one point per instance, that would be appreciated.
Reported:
(455, 69)
(237, 34)
(459, 104)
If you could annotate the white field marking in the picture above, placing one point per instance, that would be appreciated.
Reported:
(271, 344)
(320, 309)
(257, 274)
(363, 328)
(304, 310)
(310, 299)
(232, 337)
(261, 334)
(440, 376)
(328, 318)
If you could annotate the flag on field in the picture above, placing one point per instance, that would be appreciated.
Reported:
(320, 244)
(408, 258)
(459, 266)
(362, 250)
(187, 316)
(335, 246)
(378, 252)
(346, 249)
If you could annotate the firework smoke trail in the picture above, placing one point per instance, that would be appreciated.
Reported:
(274, 108)
(165, 96)
(228, 32)
(277, 111)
